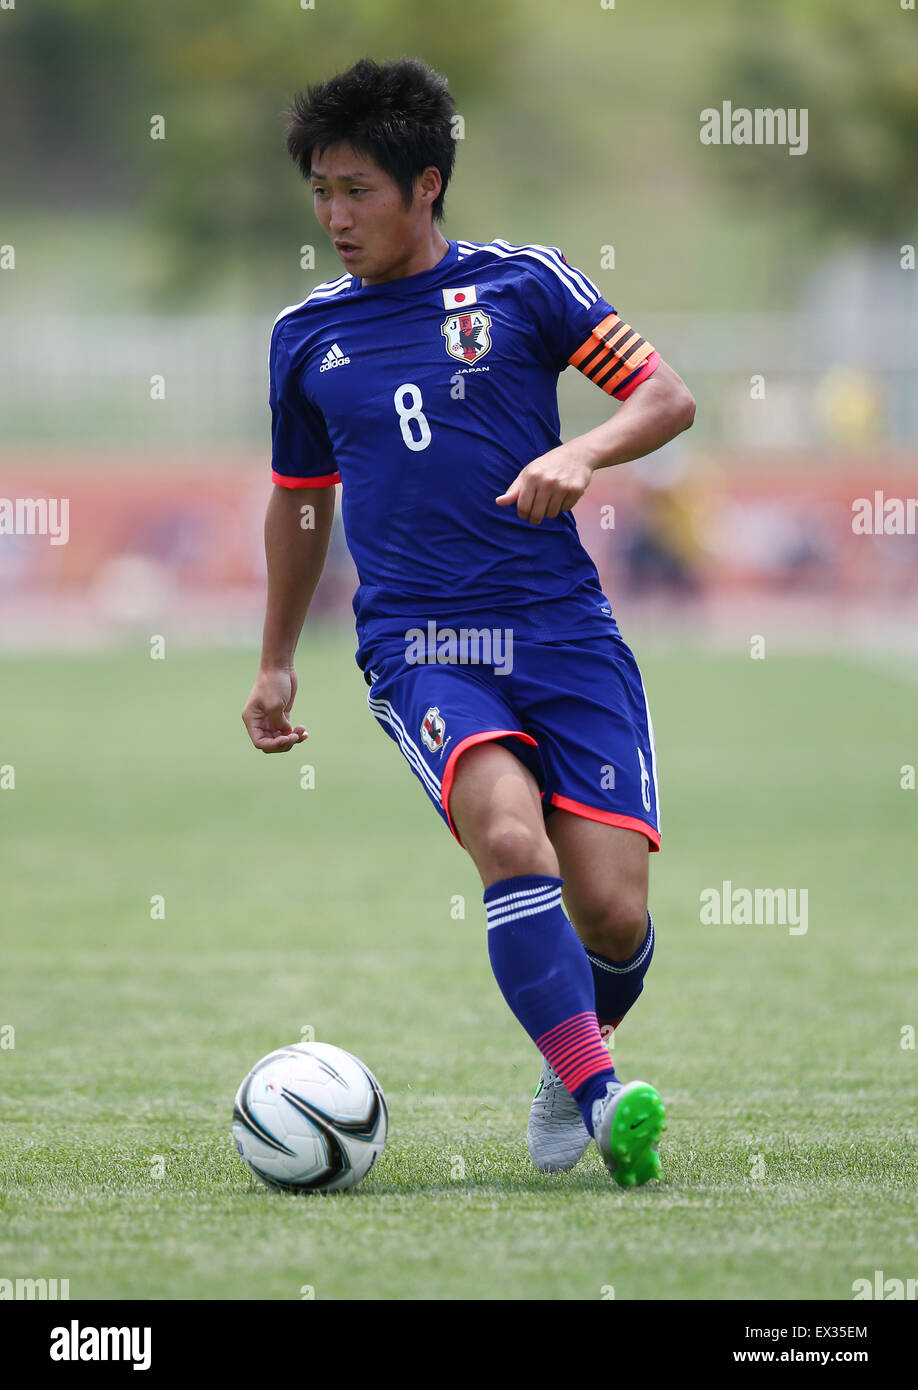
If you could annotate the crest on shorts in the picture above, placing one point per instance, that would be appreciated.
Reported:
(433, 728)
(468, 335)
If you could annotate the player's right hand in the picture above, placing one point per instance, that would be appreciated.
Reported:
(267, 708)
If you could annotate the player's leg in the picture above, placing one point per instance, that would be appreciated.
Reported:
(585, 703)
(537, 958)
(447, 727)
(605, 873)
(496, 808)
(447, 723)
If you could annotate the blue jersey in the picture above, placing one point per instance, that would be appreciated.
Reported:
(425, 397)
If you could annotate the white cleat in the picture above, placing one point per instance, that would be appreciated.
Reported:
(556, 1134)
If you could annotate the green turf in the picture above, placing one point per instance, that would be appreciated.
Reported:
(789, 1157)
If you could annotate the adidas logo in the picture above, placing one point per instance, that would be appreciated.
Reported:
(333, 358)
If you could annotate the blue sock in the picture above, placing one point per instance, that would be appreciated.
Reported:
(617, 983)
(539, 963)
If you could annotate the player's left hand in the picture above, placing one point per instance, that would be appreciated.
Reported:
(552, 483)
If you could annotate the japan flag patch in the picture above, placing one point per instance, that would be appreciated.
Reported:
(461, 298)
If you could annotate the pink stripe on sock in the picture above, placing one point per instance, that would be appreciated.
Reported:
(575, 1049)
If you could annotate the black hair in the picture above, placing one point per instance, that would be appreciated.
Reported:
(398, 113)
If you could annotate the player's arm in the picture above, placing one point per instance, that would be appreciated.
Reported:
(577, 327)
(295, 557)
(657, 409)
(296, 540)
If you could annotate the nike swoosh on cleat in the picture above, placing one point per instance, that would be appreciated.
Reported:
(639, 1123)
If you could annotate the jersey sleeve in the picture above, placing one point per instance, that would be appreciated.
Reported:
(301, 452)
(581, 329)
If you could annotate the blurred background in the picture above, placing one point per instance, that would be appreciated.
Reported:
(152, 227)
(174, 905)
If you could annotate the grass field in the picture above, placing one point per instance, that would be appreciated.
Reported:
(789, 1160)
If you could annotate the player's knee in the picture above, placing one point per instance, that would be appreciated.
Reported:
(614, 927)
(509, 847)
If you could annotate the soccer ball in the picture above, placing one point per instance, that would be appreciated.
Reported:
(310, 1118)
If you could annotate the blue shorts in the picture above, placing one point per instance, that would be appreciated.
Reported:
(575, 713)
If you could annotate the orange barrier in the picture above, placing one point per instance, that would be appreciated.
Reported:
(197, 523)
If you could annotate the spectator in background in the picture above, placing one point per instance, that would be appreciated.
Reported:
(663, 552)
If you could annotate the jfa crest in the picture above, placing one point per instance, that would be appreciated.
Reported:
(468, 335)
(433, 728)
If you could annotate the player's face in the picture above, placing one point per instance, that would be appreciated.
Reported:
(362, 210)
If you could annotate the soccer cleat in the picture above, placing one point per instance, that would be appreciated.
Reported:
(556, 1134)
(627, 1122)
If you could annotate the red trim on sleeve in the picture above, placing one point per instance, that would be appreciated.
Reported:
(648, 369)
(328, 480)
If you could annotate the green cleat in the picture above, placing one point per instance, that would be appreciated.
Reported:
(627, 1122)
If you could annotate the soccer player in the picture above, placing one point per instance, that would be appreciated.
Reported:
(424, 379)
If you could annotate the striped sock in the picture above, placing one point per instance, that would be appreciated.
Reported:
(617, 984)
(545, 977)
